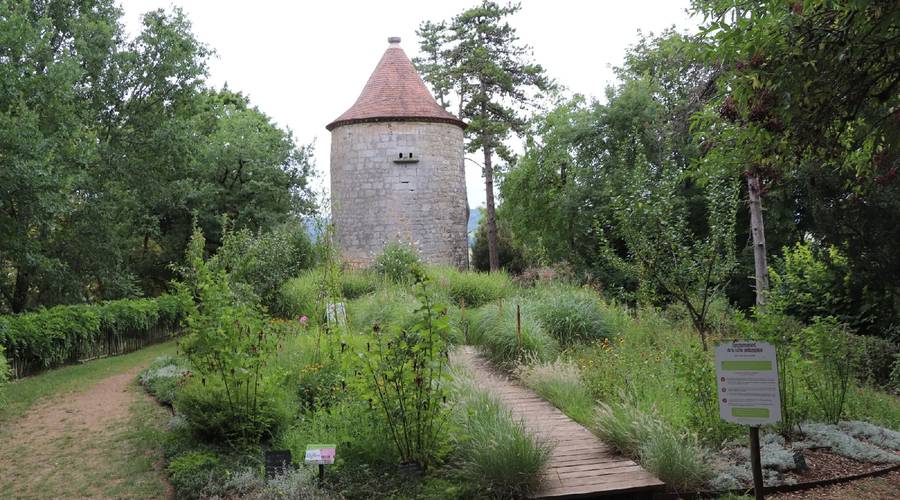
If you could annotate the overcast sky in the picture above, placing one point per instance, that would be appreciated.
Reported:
(304, 63)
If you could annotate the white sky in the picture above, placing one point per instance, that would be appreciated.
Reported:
(305, 63)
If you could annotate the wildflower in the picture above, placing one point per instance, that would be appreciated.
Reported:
(303, 320)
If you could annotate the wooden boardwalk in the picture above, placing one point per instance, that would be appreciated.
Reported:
(581, 465)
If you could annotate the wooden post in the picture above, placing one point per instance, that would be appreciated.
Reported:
(321, 474)
(462, 317)
(519, 328)
(756, 463)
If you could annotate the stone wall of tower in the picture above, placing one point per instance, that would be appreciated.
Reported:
(376, 199)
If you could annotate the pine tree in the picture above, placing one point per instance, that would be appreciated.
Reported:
(493, 77)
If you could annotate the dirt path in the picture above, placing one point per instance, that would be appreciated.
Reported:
(81, 445)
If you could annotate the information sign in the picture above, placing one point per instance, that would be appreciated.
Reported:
(321, 454)
(747, 376)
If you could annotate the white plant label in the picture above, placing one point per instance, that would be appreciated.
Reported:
(322, 454)
(747, 376)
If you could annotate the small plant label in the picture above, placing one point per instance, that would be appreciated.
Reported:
(747, 377)
(322, 454)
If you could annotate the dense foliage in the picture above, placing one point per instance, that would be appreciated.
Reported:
(64, 334)
(112, 146)
(800, 98)
(227, 341)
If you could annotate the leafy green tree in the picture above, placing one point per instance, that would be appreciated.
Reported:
(111, 147)
(492, 74)
(667, 255)
(53, 54)
(558, 196)
(434, 66)
(808, 96)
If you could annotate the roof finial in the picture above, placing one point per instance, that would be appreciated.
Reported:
(394, 41)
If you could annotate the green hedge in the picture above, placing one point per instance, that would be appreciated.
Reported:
(64, 334)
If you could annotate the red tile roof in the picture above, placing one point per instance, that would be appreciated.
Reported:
(395, 92)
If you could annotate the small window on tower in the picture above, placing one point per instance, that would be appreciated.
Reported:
(405, 158)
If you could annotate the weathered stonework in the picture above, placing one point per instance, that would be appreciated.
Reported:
(376, 200)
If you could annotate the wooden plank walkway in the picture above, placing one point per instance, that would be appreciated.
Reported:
(581, 465)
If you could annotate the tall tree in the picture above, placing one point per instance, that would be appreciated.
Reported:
(109, 148)
(810, 96)
(495, 80)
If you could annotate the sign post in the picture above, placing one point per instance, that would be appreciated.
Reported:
(747, 377)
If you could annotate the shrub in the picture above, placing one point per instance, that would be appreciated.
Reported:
(215, 417)
(360, 435)
(405, 372)
(51, 337)
(497, 452)
(4, 374)
(228, 343)
(879, 436)
(828, 366)
(894, 382)
(320, 386)
(509, 254)
(696, 378)
(263, 262)
(472, 289)
(163, 378)
(842, 443)
(399, 263)
(192, 471)
(873, 358)
(569, 314)
(494, 328)
(4, 367)
(560, 383)
(248, 484)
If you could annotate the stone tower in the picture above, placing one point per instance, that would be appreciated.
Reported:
(397, 169)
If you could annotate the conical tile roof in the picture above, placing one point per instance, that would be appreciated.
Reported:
(395, 92)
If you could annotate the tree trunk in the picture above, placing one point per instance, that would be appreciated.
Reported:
(761, 269)
(489, 202)
(20, 292)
